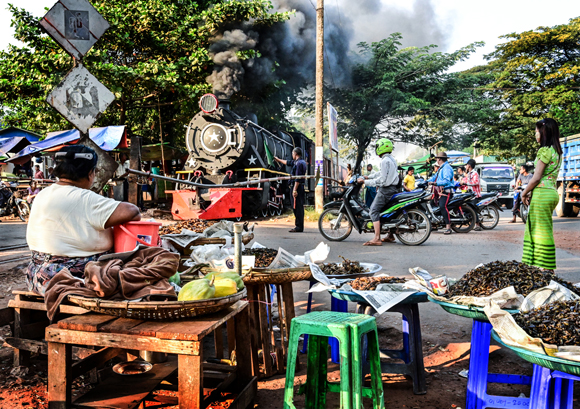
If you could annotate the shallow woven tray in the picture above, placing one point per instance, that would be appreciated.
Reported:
(550, 362)
(271, 276)
(467, 311)
(157, 310)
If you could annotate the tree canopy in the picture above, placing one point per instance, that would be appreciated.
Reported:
(405, 94)
(535, 74)
(154, 57)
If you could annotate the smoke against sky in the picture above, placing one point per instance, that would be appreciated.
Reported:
(288, 50)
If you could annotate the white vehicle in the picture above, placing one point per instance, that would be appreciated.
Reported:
(497, 177)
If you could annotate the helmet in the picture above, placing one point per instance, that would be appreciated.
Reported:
(384, 145)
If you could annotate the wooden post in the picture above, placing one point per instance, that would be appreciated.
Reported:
(319, 120)
(135, 163)
(190, 375)
(59, 375)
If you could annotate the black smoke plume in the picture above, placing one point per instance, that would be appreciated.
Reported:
(288, 50)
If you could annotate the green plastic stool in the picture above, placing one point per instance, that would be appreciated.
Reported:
(349, 329)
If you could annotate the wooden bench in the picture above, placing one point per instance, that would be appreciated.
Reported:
(183, 338)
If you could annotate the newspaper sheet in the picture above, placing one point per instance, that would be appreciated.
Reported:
(506, 298)
(513, 335)
(382, 299)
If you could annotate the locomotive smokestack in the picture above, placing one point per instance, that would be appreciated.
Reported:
(225, 103)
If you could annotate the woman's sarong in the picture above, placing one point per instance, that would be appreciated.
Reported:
(43, 267)
(539, 247)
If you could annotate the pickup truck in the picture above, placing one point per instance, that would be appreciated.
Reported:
(569, 177)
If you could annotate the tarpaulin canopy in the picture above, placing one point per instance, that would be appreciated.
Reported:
(12, 144)
(108, 138)
(12, 132)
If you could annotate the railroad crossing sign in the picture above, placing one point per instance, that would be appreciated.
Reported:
(80, 98)
(75, 25)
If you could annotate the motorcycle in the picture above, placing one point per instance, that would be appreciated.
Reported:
(487, 209)
(523, 211)
(403, 216)
(462, 215)
(13, 205)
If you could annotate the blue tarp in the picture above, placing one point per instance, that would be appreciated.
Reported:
(12, 144)
(108, 138)
(13, 132)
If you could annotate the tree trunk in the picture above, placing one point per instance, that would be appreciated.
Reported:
(106, 166)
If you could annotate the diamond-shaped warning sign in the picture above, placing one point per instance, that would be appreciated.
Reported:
(80, 98)
(75, 25)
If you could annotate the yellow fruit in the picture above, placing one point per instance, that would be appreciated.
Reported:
(232, 275)
(197, 290)
(225, 287)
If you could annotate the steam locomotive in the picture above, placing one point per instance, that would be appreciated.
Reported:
(226, 148)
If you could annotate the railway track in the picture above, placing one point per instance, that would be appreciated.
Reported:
(15, 257)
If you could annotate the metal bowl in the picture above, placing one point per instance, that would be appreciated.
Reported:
(132, 368)
(371, 270)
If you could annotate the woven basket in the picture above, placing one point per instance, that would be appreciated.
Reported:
(268, 275)
(157, 310)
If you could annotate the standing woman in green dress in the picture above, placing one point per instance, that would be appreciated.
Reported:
(539, 247)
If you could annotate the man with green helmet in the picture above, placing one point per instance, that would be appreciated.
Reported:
(386, 181)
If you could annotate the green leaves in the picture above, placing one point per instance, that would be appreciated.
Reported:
(154, 49)
(405, 94)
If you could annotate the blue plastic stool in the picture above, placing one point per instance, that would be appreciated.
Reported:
(552, 389)
(412, 352)
(477, 397)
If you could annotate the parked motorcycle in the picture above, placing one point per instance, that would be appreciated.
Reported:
(462, 215)
(403, 216)
(12, 205)
(487, 209)
(523, 211)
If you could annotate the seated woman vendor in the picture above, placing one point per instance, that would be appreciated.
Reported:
(69, 224)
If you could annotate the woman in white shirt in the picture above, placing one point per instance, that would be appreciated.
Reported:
(69, 224)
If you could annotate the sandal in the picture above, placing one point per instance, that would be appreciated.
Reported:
(388, 240)
(373, 243)
(448, 231)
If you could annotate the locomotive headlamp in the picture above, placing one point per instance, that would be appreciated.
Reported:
(208, 103)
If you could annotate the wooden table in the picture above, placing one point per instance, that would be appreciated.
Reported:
(183, 337)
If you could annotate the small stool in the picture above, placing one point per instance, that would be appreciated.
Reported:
(412, 352)
(552, 389)
(349, 329)
(478, 378)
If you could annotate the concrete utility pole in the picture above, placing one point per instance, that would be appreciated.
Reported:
(319, 156)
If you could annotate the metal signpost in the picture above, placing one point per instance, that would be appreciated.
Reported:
(75, 25)
(80, 98)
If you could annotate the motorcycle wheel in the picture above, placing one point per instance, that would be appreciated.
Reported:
(23, 211)
(328, 220)
(524, 210)
(470, 218)
(489, 217)
(415, 238)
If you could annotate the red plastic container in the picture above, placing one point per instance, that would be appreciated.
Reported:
(129, 235)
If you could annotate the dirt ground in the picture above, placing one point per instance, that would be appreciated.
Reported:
(446, 339)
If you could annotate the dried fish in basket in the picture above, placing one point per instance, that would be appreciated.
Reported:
(264, 256)
(497, 275)
(371, 283)
(556, 323)
(347, 267)
(195, 225)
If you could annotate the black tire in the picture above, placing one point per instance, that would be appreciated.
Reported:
(524, 212)
(23, 210)
(489, 217)
(324, 225)
(469, 224)
(564, 209)
(416, 216)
